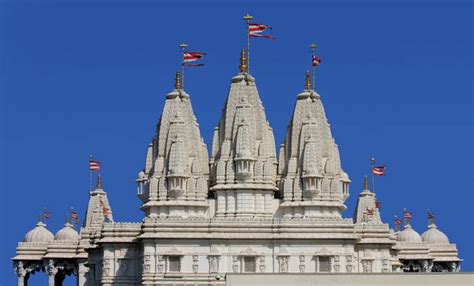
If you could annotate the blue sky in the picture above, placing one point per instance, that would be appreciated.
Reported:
(90, 77)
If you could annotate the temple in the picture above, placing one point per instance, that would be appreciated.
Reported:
(239, 209)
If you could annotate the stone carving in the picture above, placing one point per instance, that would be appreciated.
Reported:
(261, 266)
(214, 263)
(235, 263)
(51, 268)
(195, 263)
(106, 264)
(19, 269)
(160, 265)
(367, 266)
(147, 263)
(283, 264)
(302, 265)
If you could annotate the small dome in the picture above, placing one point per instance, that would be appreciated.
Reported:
(409, 235)
(39, 234)
(434, 236)
(345, 177)
(67, 233)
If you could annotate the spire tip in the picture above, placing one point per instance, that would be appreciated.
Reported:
(243, 66)
(177, 84)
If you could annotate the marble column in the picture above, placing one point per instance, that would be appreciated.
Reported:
(82, 271)
(52, 270)
(20, 273)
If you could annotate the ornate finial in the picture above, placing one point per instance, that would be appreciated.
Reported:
(313, 46)
(183, 46)
(40, 218)
(366, 183)
(248, 17)
(243, 66)
(431, 217)
(99, 182)
(67, 219)
(177, 83)
(308, 81)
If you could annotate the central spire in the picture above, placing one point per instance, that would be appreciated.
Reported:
(243, 160)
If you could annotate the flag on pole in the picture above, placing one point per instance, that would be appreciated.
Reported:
(398, 222)
(430, 215)
(316, 61)
(256, 31)
(94, 165)
(46, 213)
(378, 171)
(406, 214)
(378, 204)
(74, 216)
(189, 57)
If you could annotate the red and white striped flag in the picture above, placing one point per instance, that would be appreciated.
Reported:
(189, 57)
(378, 204)
(398, 221)
(316, 61)
(406, 214)
(94, 165)
(378, 171)
(256, 30)
(74, 216)
(46, 213)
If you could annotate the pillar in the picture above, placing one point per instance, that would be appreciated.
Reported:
(82, 271)
(52, 270)
(20, 273)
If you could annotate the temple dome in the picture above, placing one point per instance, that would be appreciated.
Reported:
(408, 235)
(39, 234)
(67, 233)
(434, 236)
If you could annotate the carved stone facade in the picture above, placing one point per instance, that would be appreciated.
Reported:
(241, 211)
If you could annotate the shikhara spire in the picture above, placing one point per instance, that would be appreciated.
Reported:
(174, 181)
(243, 159)
(312, 180)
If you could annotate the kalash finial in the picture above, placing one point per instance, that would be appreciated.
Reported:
(366, 183)
(308, 81)
(177, 81)
(243, 66)
(99, 182)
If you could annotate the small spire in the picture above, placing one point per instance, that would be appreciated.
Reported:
(308, 81)
(67, 219)
(177, 84)
(99, 182)
(366, 183)
(40, 218)
(243, 66)
(431, 218)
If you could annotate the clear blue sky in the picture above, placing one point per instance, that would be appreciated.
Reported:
(90, 77)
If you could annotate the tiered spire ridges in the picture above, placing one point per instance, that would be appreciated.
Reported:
(174, 181)
(309, 142)
(243, 155)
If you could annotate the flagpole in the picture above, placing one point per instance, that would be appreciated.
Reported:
(313, 46)
(247, 19)
(372, 161)
(90, 174)
(183, 47)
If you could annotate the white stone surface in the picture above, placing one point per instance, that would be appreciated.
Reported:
(240, 212)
